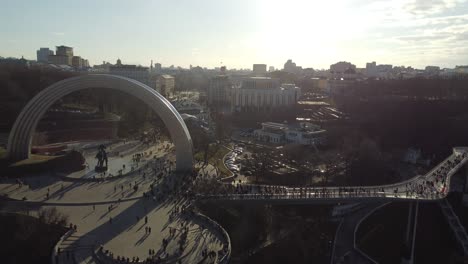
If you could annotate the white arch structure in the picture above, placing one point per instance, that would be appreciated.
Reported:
(20, 138)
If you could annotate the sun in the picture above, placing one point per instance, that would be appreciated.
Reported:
(300, 27)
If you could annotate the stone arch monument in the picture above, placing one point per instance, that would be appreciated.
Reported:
(20, 138)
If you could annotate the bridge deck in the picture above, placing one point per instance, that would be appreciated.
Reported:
(432, 186)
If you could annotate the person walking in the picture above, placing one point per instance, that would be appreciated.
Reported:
(146, 220)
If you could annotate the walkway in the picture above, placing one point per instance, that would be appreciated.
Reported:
(113, 214)
(434, 185)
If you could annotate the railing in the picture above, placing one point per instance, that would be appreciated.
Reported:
(396, 191)
(105, 257)
(55, 250)
(224, 258)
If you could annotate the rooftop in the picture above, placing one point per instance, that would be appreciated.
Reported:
(261, 78)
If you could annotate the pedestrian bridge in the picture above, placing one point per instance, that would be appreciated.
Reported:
(432, 186)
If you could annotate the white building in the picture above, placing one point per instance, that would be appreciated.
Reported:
(165, 85)
(262, 94)
(303, 133)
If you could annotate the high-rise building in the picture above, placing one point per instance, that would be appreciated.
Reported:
(64, 51)
(259, 69)
(271, 69)
(43, 54)
(60, 60)
(77, 62)
(63, 56)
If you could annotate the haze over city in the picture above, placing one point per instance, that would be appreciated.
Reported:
(238, 33)
(234, 132)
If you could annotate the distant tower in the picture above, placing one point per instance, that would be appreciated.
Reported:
(151, 66)
(119, 62)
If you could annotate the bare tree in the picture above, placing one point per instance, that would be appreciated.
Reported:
(52, 216)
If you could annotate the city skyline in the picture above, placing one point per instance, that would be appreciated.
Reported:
(237, 34)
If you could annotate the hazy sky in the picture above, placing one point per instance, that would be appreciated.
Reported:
(241, 32)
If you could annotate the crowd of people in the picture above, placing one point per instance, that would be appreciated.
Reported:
(180, 215)
(433, 185)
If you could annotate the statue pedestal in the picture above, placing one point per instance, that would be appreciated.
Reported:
(100, 169)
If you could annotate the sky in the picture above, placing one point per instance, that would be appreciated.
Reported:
(238, 33)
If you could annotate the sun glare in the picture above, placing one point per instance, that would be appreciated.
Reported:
(309, 28)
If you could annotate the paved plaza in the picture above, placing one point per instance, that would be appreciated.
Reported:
(117, 213)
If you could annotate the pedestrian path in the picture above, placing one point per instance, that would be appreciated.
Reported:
(129, 217)
(432, 186)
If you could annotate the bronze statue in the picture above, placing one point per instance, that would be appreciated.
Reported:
(101, 156)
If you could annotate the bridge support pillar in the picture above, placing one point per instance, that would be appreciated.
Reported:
(408, 225)
(410, 238)
(465, 189)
